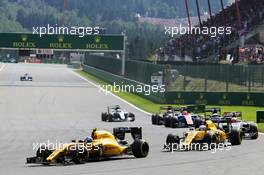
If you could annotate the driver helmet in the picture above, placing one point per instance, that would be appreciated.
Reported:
(88, 140)
(93, 135)
(169, 111)
(184, 112)
(202, 128)
(214, 111)
(234, 120)
(118, 109)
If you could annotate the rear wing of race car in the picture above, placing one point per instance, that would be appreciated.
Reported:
(230, 114)
(213, 110)
(166, 107)
(136, 132)
(197, 108)
(112, 107)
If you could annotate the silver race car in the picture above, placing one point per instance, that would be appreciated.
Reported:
(116, 114)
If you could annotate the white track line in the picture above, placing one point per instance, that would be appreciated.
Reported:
(94, 84)
(2, 67)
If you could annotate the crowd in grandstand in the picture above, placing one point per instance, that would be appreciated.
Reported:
(254, 55)
(201, 46)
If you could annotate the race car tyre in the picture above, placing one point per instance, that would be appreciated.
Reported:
(104, 117)
(79, 156)
(132, 116)
(174, 122)
(44, 152)
(140, 148)
(235, 137)
(172, 138)
(110, 118)
(172, 142)
(154, 120)
(211, 139)
(167, 122)
(159, 120)
(253, 131)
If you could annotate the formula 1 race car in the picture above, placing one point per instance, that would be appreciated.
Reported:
(178, 117)
(183, 119)
(26, 77)
(248, 129)
(205, 134)
(101, 145)
(158, 119)
(115, 114)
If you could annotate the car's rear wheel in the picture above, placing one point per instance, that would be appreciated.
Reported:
(79, 156)
(167, 122)
(140, 148)
(131, 116)
(44, 152)
(253, 131)
(104, 117)
(172, 140)
(154, 119)
(235, 137)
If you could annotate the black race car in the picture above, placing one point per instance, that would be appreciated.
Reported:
(26, 77)
(159, 118)
(115, 114)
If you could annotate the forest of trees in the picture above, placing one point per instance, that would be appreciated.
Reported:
(115, 16)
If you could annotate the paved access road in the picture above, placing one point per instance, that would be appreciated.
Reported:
(60, 106)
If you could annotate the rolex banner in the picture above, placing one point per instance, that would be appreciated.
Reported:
(113, 43)
(215, 98)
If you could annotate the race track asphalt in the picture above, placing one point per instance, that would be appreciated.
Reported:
(60, 106)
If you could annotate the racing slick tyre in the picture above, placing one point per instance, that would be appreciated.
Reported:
(159, 120)
(167, 122)
(79, 156)
(44, 152)
(140, 148)
(154, 120)
(174, 122)
(131, 116)
(211, 139)
(104, 117)
(171, 141)
(110, 118)
(253, 131)
(235, 137)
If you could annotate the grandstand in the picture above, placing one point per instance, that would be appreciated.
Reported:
(244, 16)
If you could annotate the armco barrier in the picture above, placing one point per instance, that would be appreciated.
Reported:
(111, 78)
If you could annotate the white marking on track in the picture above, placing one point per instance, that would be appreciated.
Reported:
(2, 67)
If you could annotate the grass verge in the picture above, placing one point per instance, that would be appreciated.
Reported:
(249, 112)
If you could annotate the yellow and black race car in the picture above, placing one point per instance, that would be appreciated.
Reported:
(101, 145)
(206, 134)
